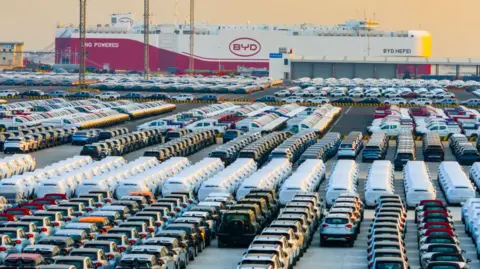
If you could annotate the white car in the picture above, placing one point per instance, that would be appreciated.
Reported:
(108, 95)
(9, 93)
(427, 95)
(444, 95)
(292, 99)
(391, 94)
(183, 97)
(319, 100)
(373, 94)
(420, 101)
(395, 101)
(337, 93)
(356, 93)
(283, 93)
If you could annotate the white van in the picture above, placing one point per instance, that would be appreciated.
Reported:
(53, 186)
(342, 179)
(379, 181)
(228, 179)
(306, 178)
(124, 188)
(417, 182)
(86, 186)
(454, 182)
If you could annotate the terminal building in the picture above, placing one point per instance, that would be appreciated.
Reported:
(11, 55)
(288, 66)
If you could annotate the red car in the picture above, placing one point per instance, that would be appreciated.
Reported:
(56, 196)
(44, 201)
(32, 206)
(438, 225)
(18, 211)
(440, 232)
(410, 95)
(7, 217)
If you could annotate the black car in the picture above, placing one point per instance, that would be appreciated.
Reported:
(33, 93)
(81, 95)
(369, 100)
(237, 227)
(133, 95)
(344, 100)
(93, 151)
(207, 98)
(160, 96)
(267, 98)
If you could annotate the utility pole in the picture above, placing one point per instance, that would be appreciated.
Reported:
(82, 43)
(146, 39)
(192, 36)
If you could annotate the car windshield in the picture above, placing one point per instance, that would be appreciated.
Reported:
(91, 255)
(20, 262)
(450, 258)
(12, 234)
(235, 217)
(443, 249)
(104, 247)
(137, 264)
(336, 221)
(388, 265)
(117, 240)
(77, 264)
(441, 240)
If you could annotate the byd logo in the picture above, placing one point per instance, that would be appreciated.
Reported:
(245, 47)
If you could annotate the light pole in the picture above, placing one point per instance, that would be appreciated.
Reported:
(218, 58)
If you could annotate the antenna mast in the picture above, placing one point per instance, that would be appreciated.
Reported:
(192, 37)
(82, 45)
(146, 39)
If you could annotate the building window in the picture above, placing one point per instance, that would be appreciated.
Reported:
(10, 50)
(4, 58)
(285, 61)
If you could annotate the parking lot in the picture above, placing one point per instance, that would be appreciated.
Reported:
(352, 118)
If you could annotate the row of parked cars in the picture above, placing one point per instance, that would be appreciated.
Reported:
(438, 242)
(405, 151)
(471, 220)
(121, 145)
(325, 149)
(36, 138)
(16, 164)
(183, 143)
(282, 243)
(376, 148)
(261, 148)
(95, 135)
(343, 222)
(463, 149)
(351, 146)
(386, 235)
(230, 150)
(432, 147)
(295, 146)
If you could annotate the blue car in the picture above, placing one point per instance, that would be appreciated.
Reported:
(207, 98)
(267, 98)
(83, 138)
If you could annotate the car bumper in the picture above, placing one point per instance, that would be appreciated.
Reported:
(245, 239)
(336, 237)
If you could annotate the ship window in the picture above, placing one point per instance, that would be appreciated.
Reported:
(114, 20)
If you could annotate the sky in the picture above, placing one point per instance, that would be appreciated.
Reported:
(453, 24)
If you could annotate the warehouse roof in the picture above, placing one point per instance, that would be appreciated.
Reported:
(390, 60)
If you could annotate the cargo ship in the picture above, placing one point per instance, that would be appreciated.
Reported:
(119, 44)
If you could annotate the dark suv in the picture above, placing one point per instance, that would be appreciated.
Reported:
(238, 227)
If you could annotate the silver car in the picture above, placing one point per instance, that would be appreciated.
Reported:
(337, 228)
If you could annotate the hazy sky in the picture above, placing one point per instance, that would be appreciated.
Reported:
(453, 24)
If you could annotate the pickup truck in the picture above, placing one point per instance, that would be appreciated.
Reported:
(392, 128)
(207, 124)
(470, 128)
(163, 125)
(443, 129)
